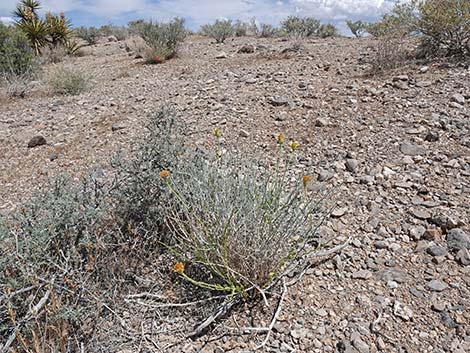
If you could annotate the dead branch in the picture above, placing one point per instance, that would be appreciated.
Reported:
(276, 315)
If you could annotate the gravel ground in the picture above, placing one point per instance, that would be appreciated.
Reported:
(395, 148)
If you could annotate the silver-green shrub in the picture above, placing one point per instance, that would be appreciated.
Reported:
(239, 223)
(220, 30)
(163, 39)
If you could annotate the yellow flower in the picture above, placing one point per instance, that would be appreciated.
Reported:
(305, 180)
(281, 138)
(217, 133)
(294, 145)
(164, 174)
(178, 268)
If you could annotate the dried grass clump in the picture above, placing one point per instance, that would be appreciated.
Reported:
(68, 80)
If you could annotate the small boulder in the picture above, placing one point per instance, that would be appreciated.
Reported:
(37, 141)
(221, 55)
(457, 239)
(246, 49)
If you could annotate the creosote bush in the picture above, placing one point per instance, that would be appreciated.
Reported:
(162, 39)
(302, 27)
(327, 30)
(220, 30)
(68, 80)
(442, 26)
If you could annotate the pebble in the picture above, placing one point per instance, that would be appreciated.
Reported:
(363, 274)
(351, 165)
(221, 55)
(439, 306)
(392, 274)
(360, 345)
(420, 213)
(417, 232)
(324, 175)
(437, 285)
(402, 311)
(411, 149)
(244, 133)
(458, 98)
(339, 212)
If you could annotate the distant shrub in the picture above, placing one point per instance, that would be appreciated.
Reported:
(389, 52)
(240, 28)
(327, 30)
(68, 80)
(18, 64)
(88, 34)
(16, 56)
(302, 27)
(162, 39)
(264, 30)
(220, 30)
(445, 26)
(357, 28)
(119, 32)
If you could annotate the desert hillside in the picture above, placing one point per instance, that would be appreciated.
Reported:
(393, 149)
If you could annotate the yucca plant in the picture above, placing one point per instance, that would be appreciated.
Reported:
(54, 30)
(30, 24)
(59, 29)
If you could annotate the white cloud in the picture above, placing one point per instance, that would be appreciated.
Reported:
(342, 9)
(203, 11)
(6, 20)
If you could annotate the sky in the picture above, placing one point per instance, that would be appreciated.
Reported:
(199, 12)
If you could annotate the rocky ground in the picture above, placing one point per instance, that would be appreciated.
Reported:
(395, 147)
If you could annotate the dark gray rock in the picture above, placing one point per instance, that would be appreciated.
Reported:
(37, 141)
(351, 165)
(432, 136)
(436, 250)
(457, 239)
(246, 49)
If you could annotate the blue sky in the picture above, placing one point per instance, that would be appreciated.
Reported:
(196, 13)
